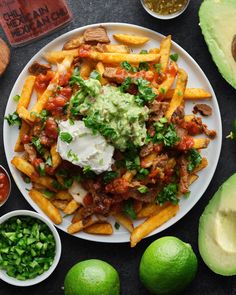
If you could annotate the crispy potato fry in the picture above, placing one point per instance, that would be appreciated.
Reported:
(201, 143)
(58, 56)
(46, 206)
(86, 69)
(101, 69)
(119, 57)
(26, 93)
(104, 228)
(60, 204)
(152, 223)
(77, 215)
(188, 118)
(56, 158)
(192, 178)
(150, 209)
(202, 165)
(25, 115)
(154, 50)
(63, 195)
(178, 95)
(73, 43)
(45, 181)
(131, 39)
(71, 207)
(24, 166)
(165, 52)
(24, 129)
(80, 225)
(191, 94)
(113, 48)
(124, 220)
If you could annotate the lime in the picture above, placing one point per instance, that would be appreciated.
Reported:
(167, 266)
(92, 277)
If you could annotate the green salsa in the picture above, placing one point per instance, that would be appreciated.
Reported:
(165, 7)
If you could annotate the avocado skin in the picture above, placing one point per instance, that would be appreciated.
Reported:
(213, 255)
(216, 17)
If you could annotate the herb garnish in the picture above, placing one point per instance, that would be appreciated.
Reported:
(129, 210)
(66, 137)
(13, 119)
(194, 159)
(168, 194)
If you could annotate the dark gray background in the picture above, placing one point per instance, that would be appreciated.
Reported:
(186, 32)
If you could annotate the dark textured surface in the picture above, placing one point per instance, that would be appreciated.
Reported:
(186, 32)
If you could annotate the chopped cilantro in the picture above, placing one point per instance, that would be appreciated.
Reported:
(143, 189)
(143, 66)
(180, 93)
(168, 194)
(57, 185)
(13, 119)
(163, 91)
(41, 169)
(145, 93)
(157, 67)
(37, 144)
(16, 97)
(73, 156)
(126, 84)
(174, 56)
(117, 226)
(128, 67)
(109, 176)
(68, 182)
(95, 75)
(72, 122)
(165, 133)
(86, 169)
(129, 210)
(142, 173)
(48, 193)
(194, 159)
(143, 51)
(66, 137)
(49, 161)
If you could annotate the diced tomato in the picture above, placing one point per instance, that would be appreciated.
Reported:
(49, 170)
(25, 138)
(84, 51)
(51, 128)
(193, 128)
(171, 70)
(4, 186)
(42, 81)
(88, 200)
(154, 173)
(36, 162)
(148, 75)
(66, 92)
(55, 104)
(64, 78)
(185, 144)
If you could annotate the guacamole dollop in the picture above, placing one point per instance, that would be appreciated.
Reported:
(114, 114)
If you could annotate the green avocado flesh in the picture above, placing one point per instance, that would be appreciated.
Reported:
(217, 230)
(217, 21)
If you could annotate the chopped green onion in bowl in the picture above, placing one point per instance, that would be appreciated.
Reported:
(30, 248)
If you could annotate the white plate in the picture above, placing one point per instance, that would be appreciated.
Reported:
(196, 79)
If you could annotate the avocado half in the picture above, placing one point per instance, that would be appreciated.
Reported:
(217, 21)
(217, 230)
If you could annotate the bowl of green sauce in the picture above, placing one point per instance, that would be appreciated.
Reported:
(30, 248)
(163, 9)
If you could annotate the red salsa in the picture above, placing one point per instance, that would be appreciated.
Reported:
(4, 186)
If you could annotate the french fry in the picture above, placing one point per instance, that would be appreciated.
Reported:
(178, 95)
(192, 178)
(60, 204)
(56, 158)
(73, 43)
(58, 56)
(165, 52)
(80, 225)
(25, 115)
(46, 206)
(77, 215)
(191, 94)
(104, 228)
(45, 181)
(201, 143)
(154, 50)
(86, 69)
(24, 129)
(71, 207)
(131, 39)
(148, 210)
(125, 221)
(101, 69)
(24, 166)
(63, 195)
(119, 57)
(113, 48)
(188, 118)
(26, 93)
(152, 223)
(202, 165)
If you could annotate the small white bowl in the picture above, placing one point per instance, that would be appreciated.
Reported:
(162, 16)
(9, 180)
(46, 274)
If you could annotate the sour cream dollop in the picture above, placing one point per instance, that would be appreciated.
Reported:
(84, 148)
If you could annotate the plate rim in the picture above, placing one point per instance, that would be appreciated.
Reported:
(125, 238)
